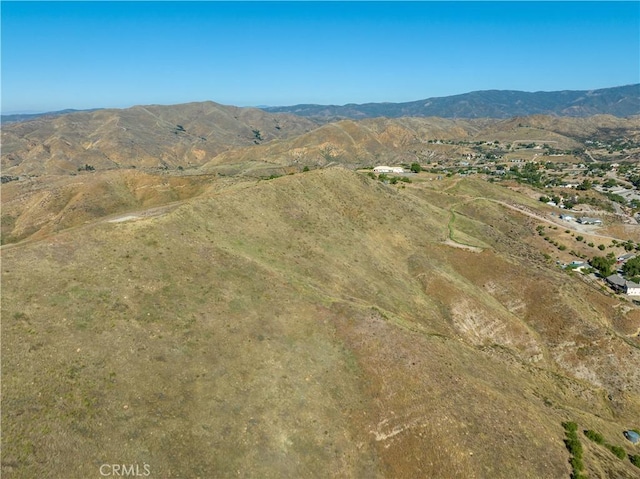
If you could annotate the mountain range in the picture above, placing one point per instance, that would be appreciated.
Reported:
(618, 101)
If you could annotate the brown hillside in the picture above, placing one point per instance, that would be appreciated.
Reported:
(232, 140)
(142, 136)
(39, 206)
(355, 144)
(316, 325)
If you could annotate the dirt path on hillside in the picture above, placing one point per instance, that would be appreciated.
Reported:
(142, 214)
(525, 211)
(455, 244)
(450, 241)
(118, 218)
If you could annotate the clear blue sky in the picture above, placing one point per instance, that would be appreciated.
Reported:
(58, 55)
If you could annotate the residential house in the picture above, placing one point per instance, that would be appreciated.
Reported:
(589, 221)
(388, 169)
(621, 285)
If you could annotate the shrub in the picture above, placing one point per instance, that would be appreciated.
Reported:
(576, 464)
(617, 451)
(635, 460)
(594, 436)
(579, 238)
(574, 446)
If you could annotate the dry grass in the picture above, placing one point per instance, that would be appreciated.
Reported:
(309, 326)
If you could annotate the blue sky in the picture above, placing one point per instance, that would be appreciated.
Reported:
(58, 55)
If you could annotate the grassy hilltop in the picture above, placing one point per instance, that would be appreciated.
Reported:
(320, 324)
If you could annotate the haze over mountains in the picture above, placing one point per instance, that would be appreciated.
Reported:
(214, 291)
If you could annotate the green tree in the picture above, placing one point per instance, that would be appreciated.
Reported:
(632, 267)
(602, 264)
(585, 185)
(416, 168)
(256, 134)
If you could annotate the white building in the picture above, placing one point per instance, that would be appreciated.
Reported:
(633, 289)
(388, 169)
(589, 221)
